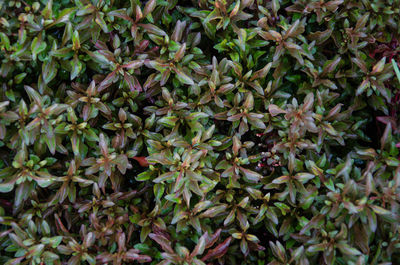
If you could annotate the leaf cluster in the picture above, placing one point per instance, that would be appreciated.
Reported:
(199, 132)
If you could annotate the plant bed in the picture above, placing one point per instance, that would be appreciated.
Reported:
(199, 132)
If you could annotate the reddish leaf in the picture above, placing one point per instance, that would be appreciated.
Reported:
(218, 251)
(142, 161)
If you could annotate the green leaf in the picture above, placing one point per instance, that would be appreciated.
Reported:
(144, 176)
(153, 29)
(184, 78)
(49, 70)
(378, 67)
(304, 177)
(5, 41)
(6, 187)
(33, 95)
(76, 43)
(347, 250)
(169, 122)
(173, 198)
(37, 46)
(396, 70)
(362, 87)
(330, 185)
(76, 66)
(166, 177)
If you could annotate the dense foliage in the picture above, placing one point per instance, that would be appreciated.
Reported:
(199, 132)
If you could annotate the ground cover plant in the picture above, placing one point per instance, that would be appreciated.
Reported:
(199, 132)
